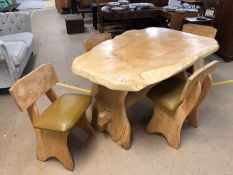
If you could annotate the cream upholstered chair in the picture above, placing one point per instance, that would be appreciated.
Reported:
(95, 40)
(177, 99)
(51, 127)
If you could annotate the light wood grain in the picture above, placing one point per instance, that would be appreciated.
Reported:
(27, 90)
(139, 58)
(109, 114)
(201, 30)
(169, 123)
(49, 143)
(93, 41)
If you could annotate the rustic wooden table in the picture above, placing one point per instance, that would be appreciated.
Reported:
(125, 68)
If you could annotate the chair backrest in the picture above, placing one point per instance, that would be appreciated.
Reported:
(200, 30)
(198, 76)
(32, 86)
(95, 40)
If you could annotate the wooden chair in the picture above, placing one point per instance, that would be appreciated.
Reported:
(175, 100)
(54, 124)
(95, 40)
(201, 30)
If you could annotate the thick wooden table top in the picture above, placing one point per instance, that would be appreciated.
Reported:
(139, 58)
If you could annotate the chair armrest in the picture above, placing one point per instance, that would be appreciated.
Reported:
(8, 63)
(3, 52)
(15, 22)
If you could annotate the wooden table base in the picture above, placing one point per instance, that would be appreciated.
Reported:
(109, 114)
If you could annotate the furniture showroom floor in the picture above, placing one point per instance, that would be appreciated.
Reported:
(206, 150)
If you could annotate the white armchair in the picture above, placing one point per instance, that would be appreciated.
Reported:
(16, 46)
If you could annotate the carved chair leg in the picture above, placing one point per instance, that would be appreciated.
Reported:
(165, 123)
(85, 125)
(193, 117)
(53, 144)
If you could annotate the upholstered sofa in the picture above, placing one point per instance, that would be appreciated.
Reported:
(16, 46)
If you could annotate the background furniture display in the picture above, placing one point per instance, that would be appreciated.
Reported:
(127, 17)
(174, 19)
(157, 3)
(59, 4)
(84, 6)
(223, 23)
(16, 46)
(195, 3)
(176, 100)
(53, 126)
(74, 24)
(119, 84)
(199, 20)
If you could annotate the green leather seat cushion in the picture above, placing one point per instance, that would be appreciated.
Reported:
(168, 93)
(64, 113)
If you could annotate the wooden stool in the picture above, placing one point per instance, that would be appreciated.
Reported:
(74, 24)
(54, 124)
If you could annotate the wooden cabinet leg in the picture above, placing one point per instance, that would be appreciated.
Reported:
(110, 104)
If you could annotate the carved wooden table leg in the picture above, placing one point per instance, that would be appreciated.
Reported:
(109, 114)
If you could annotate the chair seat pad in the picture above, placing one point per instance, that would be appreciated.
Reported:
(26, 37)
(168, 93)
(64, 113)
(17, 51)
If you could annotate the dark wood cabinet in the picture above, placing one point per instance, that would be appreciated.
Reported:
(224, 24)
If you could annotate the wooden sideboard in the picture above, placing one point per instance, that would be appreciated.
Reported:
(224, 24)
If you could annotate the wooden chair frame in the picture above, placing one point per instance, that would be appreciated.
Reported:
(201, 30)
(93, 41)
(25, 92)
(169, 123)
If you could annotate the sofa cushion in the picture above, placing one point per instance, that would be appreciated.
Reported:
(17, 51)
(25, 37)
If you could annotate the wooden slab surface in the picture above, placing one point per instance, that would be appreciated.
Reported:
(139, 58)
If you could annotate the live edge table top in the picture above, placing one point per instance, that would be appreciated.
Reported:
(139, 58)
